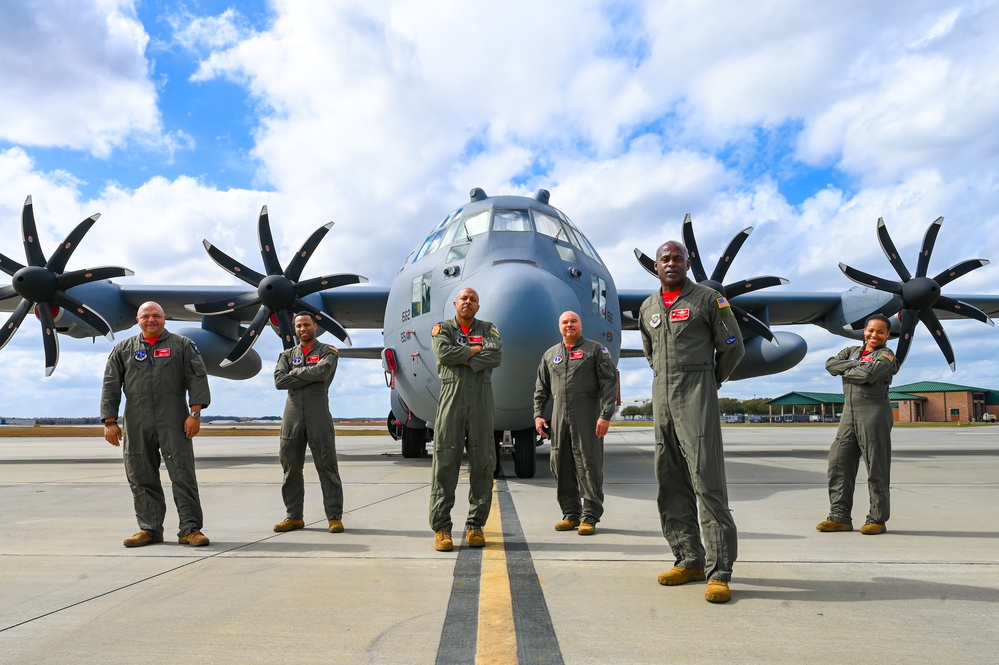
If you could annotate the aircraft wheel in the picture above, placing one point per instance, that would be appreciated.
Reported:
(524, 461)
(414, 442)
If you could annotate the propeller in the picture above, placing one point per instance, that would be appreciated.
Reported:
(917, 296)
(43, 284)
(730, 291)
(279, 293)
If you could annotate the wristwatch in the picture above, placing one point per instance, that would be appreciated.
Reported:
(196, 415)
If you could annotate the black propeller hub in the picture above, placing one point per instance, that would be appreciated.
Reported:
(713, 284)
(277, 292)
(35, 283)
(920, 293)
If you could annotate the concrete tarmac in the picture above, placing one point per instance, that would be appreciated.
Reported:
(927, 591)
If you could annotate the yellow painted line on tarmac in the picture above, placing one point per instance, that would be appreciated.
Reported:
(497, 644)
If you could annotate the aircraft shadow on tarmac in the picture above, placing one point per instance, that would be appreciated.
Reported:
(877, 589)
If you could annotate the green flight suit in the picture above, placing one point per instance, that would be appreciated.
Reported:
(155, 379)
(583, 382)
(692, 347)
(307, 421)
(464, 420)
(864, 431)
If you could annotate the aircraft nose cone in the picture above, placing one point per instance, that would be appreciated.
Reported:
(524, 302)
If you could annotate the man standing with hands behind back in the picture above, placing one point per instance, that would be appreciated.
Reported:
(466, 350)
(155, 369)
(580, 375)
(693, 343)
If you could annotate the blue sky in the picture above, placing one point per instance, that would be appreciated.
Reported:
(807, 121)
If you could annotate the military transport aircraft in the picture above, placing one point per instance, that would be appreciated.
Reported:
(528, 262)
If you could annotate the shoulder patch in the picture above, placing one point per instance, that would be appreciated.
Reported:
(723, 303)
(604, 350)
(495, 331)
(436, 330)
(887, 355)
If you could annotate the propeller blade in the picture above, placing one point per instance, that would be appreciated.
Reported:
(327, 282)
(286, 326)
(725, 260)
(753, 324)
(60, 257)
(643, 260)
(691, 243)
(324, 321)
(929, 240)
(232, 266)
(294, 270)
(964, 309)
(14, 322)
(10, 266)
(959, 270)
(225, 306)
(888, 309)
(267, 251)
(29, 234)
(931, 321)
(905, 335)
(7, 292)
(83, 312)
(754, 284)
(248, 338)
(50, 338)
(867, 279)
(891, 252)
(68, 280)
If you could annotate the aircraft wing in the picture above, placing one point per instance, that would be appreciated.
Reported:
(353, 306)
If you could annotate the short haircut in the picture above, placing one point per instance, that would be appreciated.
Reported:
(306, 313)
(878, 317)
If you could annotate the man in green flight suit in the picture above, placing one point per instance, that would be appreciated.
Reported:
(580, 375)
(155, 369)
(693, 343)
(306, 372)
(864, 429)
(466, 350)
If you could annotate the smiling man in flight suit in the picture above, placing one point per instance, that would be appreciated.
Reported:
(306, 372)
(693, 343)
(155, 369)
(466, 350)
(580, 375)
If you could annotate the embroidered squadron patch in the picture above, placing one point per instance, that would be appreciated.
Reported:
(140, 355)
(679, 314)
(656, 320)
(557, 359)
(436, 330)
(297, 360)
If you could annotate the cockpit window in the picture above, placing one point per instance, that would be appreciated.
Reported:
(546, 224)
(511, 220)
(475, 224)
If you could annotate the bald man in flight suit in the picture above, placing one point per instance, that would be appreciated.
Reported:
(580, 375)
(467, 349)
(693, 343)
(155, 369)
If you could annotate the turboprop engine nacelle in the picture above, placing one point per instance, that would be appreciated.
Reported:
(215, 347)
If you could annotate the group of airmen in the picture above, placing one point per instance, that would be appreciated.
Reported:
(691, 340)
